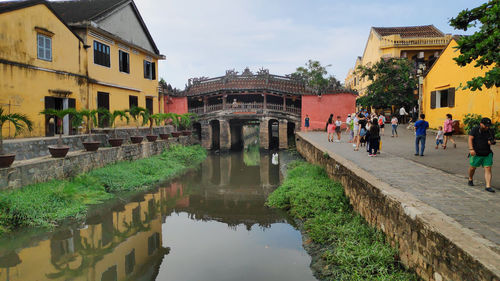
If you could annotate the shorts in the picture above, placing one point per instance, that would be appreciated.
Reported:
(478, 161)
(382, 126)
(337, 129)
(448, 133)
(439, 141)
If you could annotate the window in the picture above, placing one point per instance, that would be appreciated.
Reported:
(44, 44)
(443, 98)
(124, 61)
(149, 105)
(101, 54)
(132, 101)
(149, 70)
(130, 262)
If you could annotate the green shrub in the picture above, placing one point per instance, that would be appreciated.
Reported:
(47, 204)
(472, 120)
(356, 251)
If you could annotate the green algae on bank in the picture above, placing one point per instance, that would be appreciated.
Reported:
(345, 246)
(47, 204)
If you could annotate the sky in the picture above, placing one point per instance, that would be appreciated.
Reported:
(207, 37)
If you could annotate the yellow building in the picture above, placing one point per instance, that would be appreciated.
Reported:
(43, 63)
(442, 94)
(82, 54)
(421, 44)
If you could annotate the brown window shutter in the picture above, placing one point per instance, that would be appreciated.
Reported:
(433, 99)
(451, 97)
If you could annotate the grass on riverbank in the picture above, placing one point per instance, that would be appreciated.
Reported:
(47, 204)
(353, 249)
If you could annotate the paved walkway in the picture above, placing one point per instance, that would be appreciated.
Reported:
(472, 207)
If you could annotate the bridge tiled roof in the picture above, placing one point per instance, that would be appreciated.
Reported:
(273, 83)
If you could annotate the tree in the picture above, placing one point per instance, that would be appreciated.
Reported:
(122, 114)
(314, 75)
(393, 83)
(138, 112)
(482, 47)
(20, 122)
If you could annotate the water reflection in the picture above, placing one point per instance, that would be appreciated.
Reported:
(216, 214)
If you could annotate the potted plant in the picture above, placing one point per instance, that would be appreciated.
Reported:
(20, 122)
(59, 150)
(163, 118)
(91, 121)
(114, 141)
(176, 122)
(185, 121)
(138, 112)
(156, 118)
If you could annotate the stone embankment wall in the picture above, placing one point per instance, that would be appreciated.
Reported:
(429, 242)
(29, 148)
(46, 168)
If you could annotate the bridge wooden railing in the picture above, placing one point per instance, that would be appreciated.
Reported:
(244, 106)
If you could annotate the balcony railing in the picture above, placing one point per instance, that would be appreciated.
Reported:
(440, 41)
(244, 107)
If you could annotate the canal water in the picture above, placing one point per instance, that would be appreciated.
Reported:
(211, 224)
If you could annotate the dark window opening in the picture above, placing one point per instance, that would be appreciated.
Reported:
(124, 61)
(130, 262)
(443, 98)
(149, 70)
(133, 101)
(101, 54)
(103, 102)
(149, 105)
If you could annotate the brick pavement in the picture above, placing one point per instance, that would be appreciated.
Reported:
(471, 207)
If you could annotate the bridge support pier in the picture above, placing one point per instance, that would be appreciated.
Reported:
(264, 133)
(206, 135)
(283, 134)
(225, 135)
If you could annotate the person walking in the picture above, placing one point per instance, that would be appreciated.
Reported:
(402, 115)
(338, 124)
(329, 128)
(421, 127)
(355, 131)
(448, 131)
(439, 137)
(347, 122)
(481, 138)
(374, 133)
(394, 124)
(306, 123)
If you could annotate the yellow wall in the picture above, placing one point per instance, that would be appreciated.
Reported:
(374, 50)
(447, 74)
(24, 89)
(118, 97)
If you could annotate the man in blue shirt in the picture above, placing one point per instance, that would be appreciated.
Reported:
(421, 127)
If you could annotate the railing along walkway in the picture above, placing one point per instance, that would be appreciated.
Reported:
(244, 106)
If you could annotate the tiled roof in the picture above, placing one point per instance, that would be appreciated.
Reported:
(75, 11)
(410, 31)
(6, 6)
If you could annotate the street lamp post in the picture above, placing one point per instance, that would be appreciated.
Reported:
(420, 77)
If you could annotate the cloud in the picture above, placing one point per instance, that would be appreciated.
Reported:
(204, 38)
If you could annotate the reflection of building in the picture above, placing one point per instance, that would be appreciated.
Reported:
(124, 244)
(421, 44)
(442, 93)
(229, 191)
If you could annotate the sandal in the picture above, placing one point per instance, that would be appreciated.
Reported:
(444, 146)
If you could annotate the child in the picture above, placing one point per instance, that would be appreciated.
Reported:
(338, 123)
(439, 137)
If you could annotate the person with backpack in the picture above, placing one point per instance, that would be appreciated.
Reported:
(374, 133)
(481, 138)
(448, 131)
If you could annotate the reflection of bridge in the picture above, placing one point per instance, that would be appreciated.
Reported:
(275, 103)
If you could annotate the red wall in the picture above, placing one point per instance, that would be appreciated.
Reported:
(176, 105)
(320, 108)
